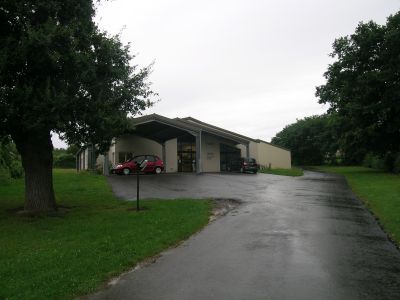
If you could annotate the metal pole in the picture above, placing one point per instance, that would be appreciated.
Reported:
(164, 156)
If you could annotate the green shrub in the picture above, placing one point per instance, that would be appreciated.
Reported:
(367, 161)
(377, 163)
(16, 169)
(373, 161)
(4, 176)
(10, 160)
(390, 162)
(396, 164)
(64, 161)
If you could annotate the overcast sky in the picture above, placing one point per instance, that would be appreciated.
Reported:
(250, 66)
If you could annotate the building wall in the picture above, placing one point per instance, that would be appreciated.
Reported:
(268, 155)
(171, 155)
(86, 165)
(253, 150)
(136, 145)
(81, 160)
(100, 161)
(210, 155)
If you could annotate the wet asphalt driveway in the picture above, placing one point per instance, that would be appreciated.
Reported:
(292, 238)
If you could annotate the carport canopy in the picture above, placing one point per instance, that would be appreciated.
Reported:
(161, 129)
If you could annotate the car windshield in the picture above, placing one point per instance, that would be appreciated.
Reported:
(250, 160)
(139, 159)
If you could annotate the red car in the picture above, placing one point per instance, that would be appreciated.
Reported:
(154, 165)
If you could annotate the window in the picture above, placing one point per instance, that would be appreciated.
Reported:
(150, 158)
(139, 159)
(124, 156)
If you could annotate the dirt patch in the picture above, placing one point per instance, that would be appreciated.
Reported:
(61, 211)
(221, 206)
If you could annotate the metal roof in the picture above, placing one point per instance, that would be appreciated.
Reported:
(216, 129)
(161, 129)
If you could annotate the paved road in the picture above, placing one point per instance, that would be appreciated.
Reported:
(292, 238)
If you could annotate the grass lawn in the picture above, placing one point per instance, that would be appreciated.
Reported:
(285, 172)
(72, 254)
(379, 191)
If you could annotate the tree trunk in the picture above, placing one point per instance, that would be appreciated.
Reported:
(36, 151)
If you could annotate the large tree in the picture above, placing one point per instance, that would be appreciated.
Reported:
(60, 73)
(312, 140)
(363, 89)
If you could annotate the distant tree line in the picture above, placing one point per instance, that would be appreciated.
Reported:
(312, 140)
(65, 158)
(363, 93)
(11, 165)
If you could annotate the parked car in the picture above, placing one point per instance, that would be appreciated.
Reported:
(244, 165)
(154, 165)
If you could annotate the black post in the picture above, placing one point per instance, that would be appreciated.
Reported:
(137, 189)
(139, 168)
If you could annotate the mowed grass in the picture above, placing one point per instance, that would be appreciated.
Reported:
(284, 172)
(71, 254)
(379, 191)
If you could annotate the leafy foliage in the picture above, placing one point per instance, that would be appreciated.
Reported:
(312, 140)
(63, 159)
(10, 162)
(363, 89)
(389, 162)
(60, 73)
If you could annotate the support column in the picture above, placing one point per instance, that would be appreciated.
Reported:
(77, 161)
(199, 168)
(91, 157)
(164, 157)
(247, 150)
(106, 169)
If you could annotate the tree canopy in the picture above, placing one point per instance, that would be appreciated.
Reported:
(60, 73)
(312, 140)
(363, 89)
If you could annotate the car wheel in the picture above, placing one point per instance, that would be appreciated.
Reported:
(126, 171)
(157, 170)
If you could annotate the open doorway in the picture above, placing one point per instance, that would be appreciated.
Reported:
(228, 154)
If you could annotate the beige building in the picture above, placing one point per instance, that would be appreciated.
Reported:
(185, 145)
